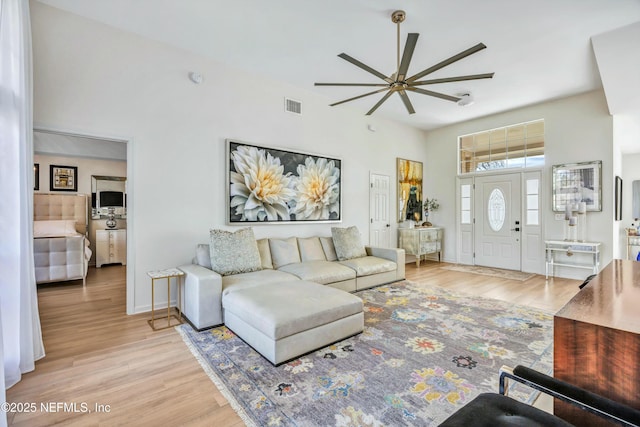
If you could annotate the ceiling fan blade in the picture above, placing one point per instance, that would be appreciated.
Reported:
(407, 101)
(351, 84)
(452, 79)
(436, 94)
(357, 97)
(379, 103)
(365, 67)
(409, 46)
(446, 62)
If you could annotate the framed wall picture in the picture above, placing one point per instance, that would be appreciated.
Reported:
(63, 178)
(272, 185)
(409, 190)
(36, 176)
(618, 199)
(577, 182)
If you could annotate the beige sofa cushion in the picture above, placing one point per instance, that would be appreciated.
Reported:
(272, 311)
(234, 252)
(348, 243)
(311, 249)
(265, 253)
(255, 278)
(284, 251)
(329, 249)
(369, 265)
(322, 272)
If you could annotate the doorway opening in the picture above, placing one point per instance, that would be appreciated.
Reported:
(91, 156)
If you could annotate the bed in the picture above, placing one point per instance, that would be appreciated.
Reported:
(60, 245)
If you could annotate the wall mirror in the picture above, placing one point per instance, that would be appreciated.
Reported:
(577, 182)
(108, 192)
(635, 199)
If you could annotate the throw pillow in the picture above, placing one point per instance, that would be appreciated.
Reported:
(284, 251)
(348, 243)
(233, 253)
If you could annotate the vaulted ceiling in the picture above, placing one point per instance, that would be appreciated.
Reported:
(539, 50)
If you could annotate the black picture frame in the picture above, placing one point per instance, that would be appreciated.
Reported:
(63, 178)
(618, 199)
(36, 176)
(288, 180)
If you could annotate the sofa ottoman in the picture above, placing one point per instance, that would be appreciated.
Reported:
(285, 320)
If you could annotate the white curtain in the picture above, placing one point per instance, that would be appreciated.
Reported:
(19, 319)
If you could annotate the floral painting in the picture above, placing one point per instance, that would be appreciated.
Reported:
(273, 185)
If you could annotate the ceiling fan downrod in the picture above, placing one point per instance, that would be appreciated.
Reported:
(397, 18)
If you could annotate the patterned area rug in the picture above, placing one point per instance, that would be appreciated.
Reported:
(424, 353)
(488, 271)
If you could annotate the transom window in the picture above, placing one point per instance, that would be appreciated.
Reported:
(516, 146)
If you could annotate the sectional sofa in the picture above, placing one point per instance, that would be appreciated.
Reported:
(285, 297)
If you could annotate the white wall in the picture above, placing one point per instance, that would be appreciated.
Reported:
(86, 168)
(92, 79)
(577, 129)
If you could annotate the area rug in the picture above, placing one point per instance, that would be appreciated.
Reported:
(488, 271)
(424, 353)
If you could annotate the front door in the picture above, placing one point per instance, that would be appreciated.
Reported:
(379, 226)
(497, 228)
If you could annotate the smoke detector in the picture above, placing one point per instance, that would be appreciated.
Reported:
(195, 77)
(465, 99)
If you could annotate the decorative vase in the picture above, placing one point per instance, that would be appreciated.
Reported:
(111, 218)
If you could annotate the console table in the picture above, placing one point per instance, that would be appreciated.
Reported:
(561, 252)
(421, 241)
(597, 340)
(633, 240)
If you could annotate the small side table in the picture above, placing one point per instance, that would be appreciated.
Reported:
(166, 274)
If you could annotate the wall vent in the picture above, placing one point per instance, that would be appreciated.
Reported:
(292, 106)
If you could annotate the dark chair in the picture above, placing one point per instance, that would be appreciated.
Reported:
(495, 410)
(587, 280)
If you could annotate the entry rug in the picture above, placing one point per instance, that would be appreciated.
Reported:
(424, 353)
(488, 271)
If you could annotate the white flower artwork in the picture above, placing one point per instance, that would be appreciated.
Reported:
(273, 185)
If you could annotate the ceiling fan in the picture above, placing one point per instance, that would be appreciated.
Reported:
(398, 82)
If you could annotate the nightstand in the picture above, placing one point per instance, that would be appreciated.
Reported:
(171, 273)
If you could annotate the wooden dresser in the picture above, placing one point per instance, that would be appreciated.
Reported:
(597, 340)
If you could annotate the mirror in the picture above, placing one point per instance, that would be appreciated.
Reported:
(108, 192)
(635, 199)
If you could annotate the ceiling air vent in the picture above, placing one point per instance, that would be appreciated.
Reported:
(292, 106)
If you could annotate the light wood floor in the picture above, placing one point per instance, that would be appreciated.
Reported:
(97, 355)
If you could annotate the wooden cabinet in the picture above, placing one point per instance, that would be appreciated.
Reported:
(111, 247)
(421, 241)
(596, 342)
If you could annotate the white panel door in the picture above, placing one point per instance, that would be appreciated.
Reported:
(379, 226)
(498, 221)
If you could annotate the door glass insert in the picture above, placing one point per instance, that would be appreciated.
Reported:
(496, 209)
(465, 204)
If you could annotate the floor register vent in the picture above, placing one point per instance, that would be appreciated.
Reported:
(292, 106)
